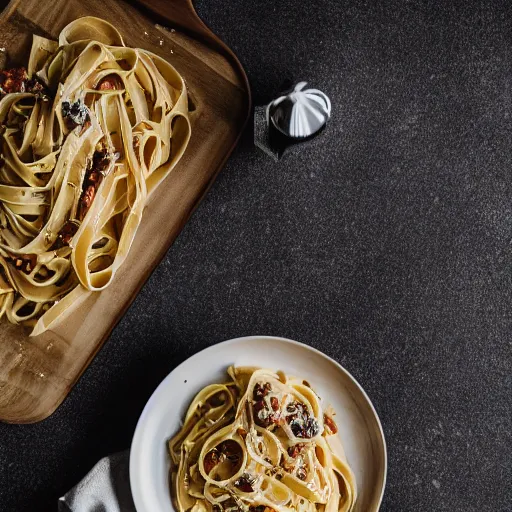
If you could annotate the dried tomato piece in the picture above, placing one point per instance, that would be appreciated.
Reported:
(294, 450)
(12, 80)
(16, 80)
(92, 180)
(242, 432)
(261, 391)
(261, 414)
(111, 82)
(88, 197)
(330, 425)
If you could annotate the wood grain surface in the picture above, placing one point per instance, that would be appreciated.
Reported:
(36, 373)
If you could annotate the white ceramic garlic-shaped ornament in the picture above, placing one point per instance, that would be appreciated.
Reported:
(301, 113)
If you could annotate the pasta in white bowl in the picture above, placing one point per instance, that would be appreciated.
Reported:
(260, 443)
(196, 415)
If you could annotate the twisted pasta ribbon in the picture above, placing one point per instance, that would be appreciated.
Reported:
(87, 133)
(259, 443)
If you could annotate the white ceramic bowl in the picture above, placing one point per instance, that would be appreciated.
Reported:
(359, 426)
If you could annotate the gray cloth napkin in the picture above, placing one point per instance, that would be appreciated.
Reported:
(106, 488)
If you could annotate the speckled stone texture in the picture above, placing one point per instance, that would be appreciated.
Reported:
(387, 244)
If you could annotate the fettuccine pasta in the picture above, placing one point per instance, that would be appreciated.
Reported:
(87, 133)
(260, 443)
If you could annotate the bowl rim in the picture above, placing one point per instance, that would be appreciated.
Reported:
(137, 436)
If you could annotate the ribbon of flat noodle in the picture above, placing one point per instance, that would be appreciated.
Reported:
(211, 409)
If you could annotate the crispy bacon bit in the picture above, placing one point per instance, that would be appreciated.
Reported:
(16, 80)
(302, 474)
(263, 416)
(92, 180)
(110, 83)
(294, 450)
(12, 80)
(25, 263)
(261, 391)
(88, 196)
(74, 114)
(242, 432)
(211, 460)
(330, 425)
(86, 200)
(95, 177)
(259, 406)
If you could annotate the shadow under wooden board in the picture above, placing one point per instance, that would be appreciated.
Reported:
(36, 373)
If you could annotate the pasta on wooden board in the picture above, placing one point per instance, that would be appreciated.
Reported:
(87, 133)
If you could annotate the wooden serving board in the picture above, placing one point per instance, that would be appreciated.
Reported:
(36, 373)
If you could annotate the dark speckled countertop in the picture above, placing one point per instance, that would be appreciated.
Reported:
(387, 244)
